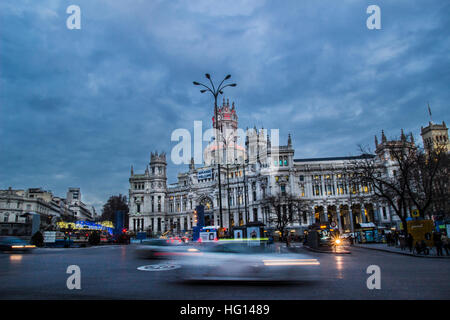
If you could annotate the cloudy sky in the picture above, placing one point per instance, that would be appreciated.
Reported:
(79, 107)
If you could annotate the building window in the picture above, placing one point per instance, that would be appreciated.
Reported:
(330, 189)
(317, 190)
(153, 204)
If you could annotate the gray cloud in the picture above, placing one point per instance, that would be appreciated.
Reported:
(79, 107)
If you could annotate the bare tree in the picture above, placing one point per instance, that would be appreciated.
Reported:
(428, 189)
(286, 210)
(115, 203)
(390, 182)
(406, 177)
(358, 188)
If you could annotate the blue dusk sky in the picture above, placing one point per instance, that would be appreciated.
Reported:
(79, 107)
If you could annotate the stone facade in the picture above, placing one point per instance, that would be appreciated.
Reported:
(17, 206)
(249, 178)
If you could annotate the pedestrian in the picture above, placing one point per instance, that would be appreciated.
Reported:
(286, 238)
(402, 242)
(409, 242)
(437, 242)
(445, 242)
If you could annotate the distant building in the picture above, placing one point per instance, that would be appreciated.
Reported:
(435, 135)
(17, 206)
(81, 210)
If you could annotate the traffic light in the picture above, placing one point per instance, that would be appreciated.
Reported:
(195, 217)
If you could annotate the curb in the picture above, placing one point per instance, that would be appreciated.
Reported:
(403, 253)
(324, 251)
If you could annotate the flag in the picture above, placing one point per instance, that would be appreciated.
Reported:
(429, 110)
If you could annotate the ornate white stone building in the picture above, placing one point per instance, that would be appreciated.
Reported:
(320, 184)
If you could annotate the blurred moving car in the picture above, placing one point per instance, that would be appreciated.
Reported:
(164, 248)
(245, 261)
(9, 243)
(348, 238)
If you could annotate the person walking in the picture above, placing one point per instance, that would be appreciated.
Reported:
(286, 238)
(396, 238)
(445, 242)
(409, 242)
(402, 240)
(437, 242)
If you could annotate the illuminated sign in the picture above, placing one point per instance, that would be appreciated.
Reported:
(83, 225)
(204, 174)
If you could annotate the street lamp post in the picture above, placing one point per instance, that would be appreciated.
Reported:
(238, 198)
(215, 92)
(245, 194)
(228, 198)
